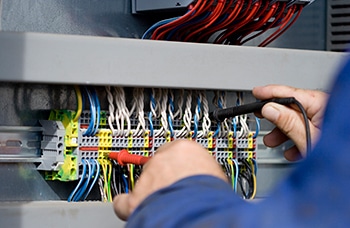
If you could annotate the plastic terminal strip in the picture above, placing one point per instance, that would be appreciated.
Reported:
(59, 146)
(62, 157)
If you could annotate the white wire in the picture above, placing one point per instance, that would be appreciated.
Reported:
(206, 122)
(180, 102)
(139, 101)
(122, 112)
(111, 117)
(188, 114)
(163, 94)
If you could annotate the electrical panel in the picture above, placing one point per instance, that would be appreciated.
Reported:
(67, 156)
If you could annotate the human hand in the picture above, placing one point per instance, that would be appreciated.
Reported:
(288, 120)
(172, 162)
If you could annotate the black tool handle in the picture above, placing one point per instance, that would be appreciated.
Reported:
(220, 114)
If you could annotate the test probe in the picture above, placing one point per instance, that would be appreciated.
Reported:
(220, 115)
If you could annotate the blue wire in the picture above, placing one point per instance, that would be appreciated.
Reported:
(236, 175)
(156, 25)
(98, 110)
(257, 127)
(89, 132)
(153, 103)
(217, 130)
(171, 126)
(97, 165)
(82, 190)
(171, 103)
(150, 124)
(196, 20)
(234, 124)
(126, 184)
(196, 118)
(255, 166)
(80, 182)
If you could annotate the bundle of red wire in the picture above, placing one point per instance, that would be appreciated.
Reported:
(230, 21)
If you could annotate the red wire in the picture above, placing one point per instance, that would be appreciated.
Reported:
(241, 16)
(250, 16)
(232, 16)
(285, 26)
(181, 20)
(277, 17)
(185, 30)
(211, 20)
(255, 26)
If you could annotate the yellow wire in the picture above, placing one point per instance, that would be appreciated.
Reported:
(131, 170)
(254, 179)
(105, 184)
(79, 103)
(254, 189)
(110, 198)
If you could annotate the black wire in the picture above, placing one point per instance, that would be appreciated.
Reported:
(307, 126)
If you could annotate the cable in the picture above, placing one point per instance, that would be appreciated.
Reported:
(97, 165)
(83, 188)
(236, 174)
(79, 103)
(70, 198)
(90, 128)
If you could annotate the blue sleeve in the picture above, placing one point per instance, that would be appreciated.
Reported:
(316, 194)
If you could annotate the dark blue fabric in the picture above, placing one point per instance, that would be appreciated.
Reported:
(316, 194)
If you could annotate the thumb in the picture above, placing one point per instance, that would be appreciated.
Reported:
(121, 206)
(288, 120)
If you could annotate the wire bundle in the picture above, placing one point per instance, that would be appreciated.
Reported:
(89, 176)
(228, 21)
(95, 111)
(247, 178)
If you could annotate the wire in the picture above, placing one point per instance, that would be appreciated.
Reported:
(125, 183)
(147, 34)
(82, 189)
(70, 198)
(90, 128)
(236, 174)
(307, 126)
(98, 111)
(98, 168)
(79, 103)
(257, 127)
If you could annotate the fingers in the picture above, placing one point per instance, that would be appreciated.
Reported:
(288, 121)
(275, 138)
(121, 206)
(292, 154)
(172, 162)
(312, 100)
